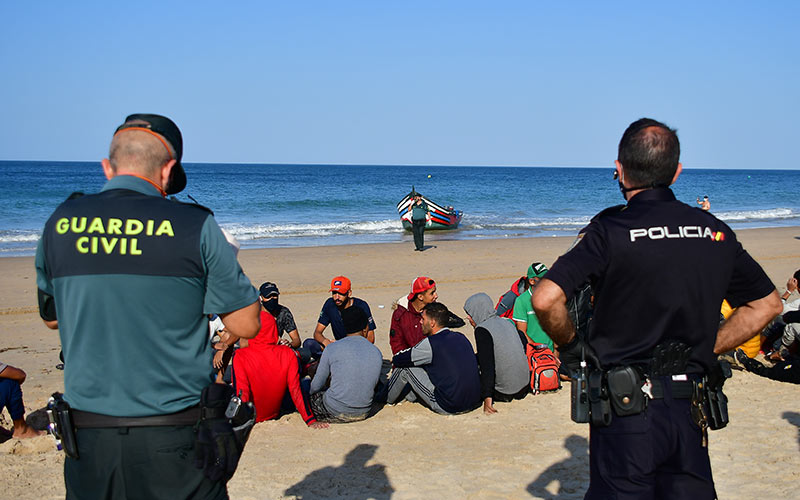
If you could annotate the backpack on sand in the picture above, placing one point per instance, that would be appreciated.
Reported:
(544, 368)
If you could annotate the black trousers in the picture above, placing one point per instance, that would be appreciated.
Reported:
(654, 455)
(138, 462)
(418, 228)
(783, 371)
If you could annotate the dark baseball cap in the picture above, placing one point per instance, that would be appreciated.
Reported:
(169, 132)
(268, 288)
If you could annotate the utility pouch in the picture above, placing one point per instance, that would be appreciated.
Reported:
(625, 391)
(670, 358)
(61, 426)
(598, 399)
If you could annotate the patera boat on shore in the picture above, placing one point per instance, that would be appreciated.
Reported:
(439, 217)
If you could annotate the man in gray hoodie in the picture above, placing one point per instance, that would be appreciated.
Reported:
(501, 354)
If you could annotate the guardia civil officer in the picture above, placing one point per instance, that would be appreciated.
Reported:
(659, 270)
(128, 277)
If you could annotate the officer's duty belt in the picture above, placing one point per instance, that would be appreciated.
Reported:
(86, 419)
(681, 389)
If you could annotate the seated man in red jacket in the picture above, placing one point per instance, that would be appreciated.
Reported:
(405, 330)
(263, 371)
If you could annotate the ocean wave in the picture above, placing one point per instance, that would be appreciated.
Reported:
(18, 236)
(757, 215)
(259, 231)
(494, 223)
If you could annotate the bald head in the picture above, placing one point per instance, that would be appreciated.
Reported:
(139, 152)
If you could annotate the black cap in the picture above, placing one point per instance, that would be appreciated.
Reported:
(454, 321)
(354, 319)
(268, 288)
(167, 129)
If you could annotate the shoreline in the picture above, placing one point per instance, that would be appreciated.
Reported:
(431, 238)
(406, 451)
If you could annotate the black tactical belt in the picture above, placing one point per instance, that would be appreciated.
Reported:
(86, 419)
(681, 389)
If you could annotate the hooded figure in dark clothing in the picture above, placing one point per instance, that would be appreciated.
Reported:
(501, 353)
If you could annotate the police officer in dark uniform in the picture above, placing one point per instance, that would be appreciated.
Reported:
(659, 270)
(129, 279)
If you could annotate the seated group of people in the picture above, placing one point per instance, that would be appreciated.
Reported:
(779, 341)
(432, 364)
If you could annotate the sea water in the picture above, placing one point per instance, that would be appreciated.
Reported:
(310, 205)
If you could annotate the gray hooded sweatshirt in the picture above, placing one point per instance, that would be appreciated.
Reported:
(510, 373)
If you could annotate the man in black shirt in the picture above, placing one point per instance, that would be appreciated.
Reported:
(268, 295)
(659, 270)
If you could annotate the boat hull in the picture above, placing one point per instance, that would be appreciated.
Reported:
(440, 218)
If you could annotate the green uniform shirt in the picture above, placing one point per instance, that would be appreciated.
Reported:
(133, 277)
(523, 313)
(419, 212)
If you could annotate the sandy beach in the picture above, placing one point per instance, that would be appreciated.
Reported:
(529, 449)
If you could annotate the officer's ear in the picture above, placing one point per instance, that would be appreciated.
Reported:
(677, 173)
(618, 169)
(166, 170)
(108, 170)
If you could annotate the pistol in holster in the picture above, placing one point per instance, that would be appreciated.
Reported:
(599, 403)
(715, 400)
(243, 417)
(61, 425)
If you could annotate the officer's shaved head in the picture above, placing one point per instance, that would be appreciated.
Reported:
(649, 152)
(138, 151)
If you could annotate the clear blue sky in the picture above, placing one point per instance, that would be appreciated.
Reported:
(404, 82)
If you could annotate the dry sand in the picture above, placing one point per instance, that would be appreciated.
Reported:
(530, 448)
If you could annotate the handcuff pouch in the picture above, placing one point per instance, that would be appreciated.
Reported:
(625, 391)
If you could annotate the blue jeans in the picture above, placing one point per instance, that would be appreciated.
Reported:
(11, 398)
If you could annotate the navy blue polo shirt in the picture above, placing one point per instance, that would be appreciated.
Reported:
(660, 270)
(330, 315)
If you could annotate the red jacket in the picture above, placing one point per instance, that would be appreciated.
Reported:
(405, 330)
(263, 371)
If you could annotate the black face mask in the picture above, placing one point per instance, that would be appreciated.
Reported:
(272, 306)
(624, 190)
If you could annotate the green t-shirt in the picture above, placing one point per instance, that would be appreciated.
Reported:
(523, 313)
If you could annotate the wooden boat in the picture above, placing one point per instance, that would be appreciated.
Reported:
(439, 216)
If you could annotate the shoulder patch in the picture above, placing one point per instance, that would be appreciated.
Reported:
(575, 243)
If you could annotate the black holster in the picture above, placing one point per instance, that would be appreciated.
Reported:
(599, 403)
(715, 400)
(61, 425)
(242, 420)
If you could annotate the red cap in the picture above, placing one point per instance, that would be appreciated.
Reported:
(340, 284)
(420, 285)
